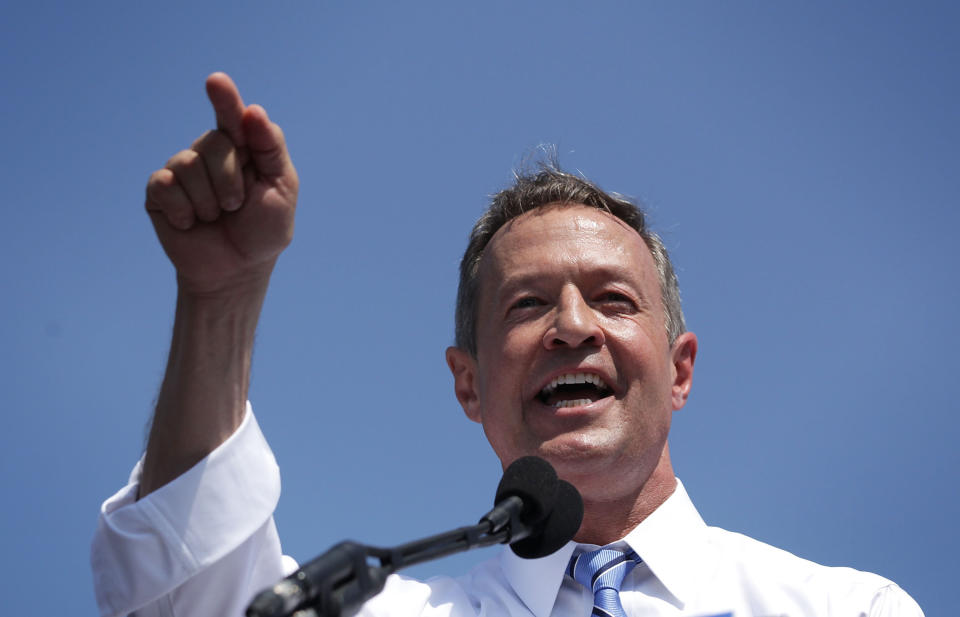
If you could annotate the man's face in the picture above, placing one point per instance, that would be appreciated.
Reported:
(573, 362)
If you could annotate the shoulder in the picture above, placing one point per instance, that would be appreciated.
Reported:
(761, 559)
(775, 576)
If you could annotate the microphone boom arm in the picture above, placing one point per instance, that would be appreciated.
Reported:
(351, 573)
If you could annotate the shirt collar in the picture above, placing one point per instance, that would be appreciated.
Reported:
(671, 541)
(537, 581)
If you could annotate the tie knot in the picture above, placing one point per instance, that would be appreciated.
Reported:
(604, 568)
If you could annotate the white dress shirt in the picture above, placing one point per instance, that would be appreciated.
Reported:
(205, 543)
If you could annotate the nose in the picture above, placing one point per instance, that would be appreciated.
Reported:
(575, 323)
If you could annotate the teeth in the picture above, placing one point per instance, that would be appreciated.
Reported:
(576, 403)
(573, 378)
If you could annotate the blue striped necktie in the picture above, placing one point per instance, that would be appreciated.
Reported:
(603, 571)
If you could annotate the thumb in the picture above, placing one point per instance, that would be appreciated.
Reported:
(265, 142)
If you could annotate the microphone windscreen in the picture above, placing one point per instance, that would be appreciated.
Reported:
(535, 482)
(561, 524)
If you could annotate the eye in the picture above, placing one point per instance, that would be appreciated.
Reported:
(526, 302)
(615, 299)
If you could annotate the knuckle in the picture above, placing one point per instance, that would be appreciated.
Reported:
(178, 215)
(158, 185)
(199, 141)
(185, 159)
(208, 215)
(222, 139)
(214, 142)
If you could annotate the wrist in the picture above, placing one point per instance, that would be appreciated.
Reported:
(248, 286)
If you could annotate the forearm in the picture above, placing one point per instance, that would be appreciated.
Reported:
(204, 392)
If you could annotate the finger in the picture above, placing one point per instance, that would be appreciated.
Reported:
(249, 178)
(223, 166)
(268, 148)
(167, 198)
(191, 174)
(228, 106)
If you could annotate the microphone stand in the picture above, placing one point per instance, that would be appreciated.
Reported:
(339, 581)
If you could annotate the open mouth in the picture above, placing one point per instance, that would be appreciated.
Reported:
(574, 390)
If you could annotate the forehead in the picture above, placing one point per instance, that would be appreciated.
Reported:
(565, 239)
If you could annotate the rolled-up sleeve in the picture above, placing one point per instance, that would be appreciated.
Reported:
(202, 544)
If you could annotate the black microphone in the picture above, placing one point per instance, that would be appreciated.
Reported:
(535, 512)
(525, 496)
(558, 528)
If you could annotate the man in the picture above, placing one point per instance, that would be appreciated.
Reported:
(570, 345)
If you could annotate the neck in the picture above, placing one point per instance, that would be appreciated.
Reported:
(607, 518)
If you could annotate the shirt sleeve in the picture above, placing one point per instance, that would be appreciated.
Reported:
(203, 544)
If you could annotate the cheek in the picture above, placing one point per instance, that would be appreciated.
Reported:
(498, 381)
(644, 344)
(517, 343)
(631, 350)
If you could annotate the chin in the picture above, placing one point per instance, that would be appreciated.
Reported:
(579, 457)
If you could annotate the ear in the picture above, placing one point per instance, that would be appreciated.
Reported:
(464, 369)
(683, 354)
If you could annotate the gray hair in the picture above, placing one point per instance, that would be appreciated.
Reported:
(551, 185)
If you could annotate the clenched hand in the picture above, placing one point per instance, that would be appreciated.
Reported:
(223, 209)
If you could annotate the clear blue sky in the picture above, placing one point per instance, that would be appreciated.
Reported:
(800, 160)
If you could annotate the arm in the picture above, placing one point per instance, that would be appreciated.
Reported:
(223, 211)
